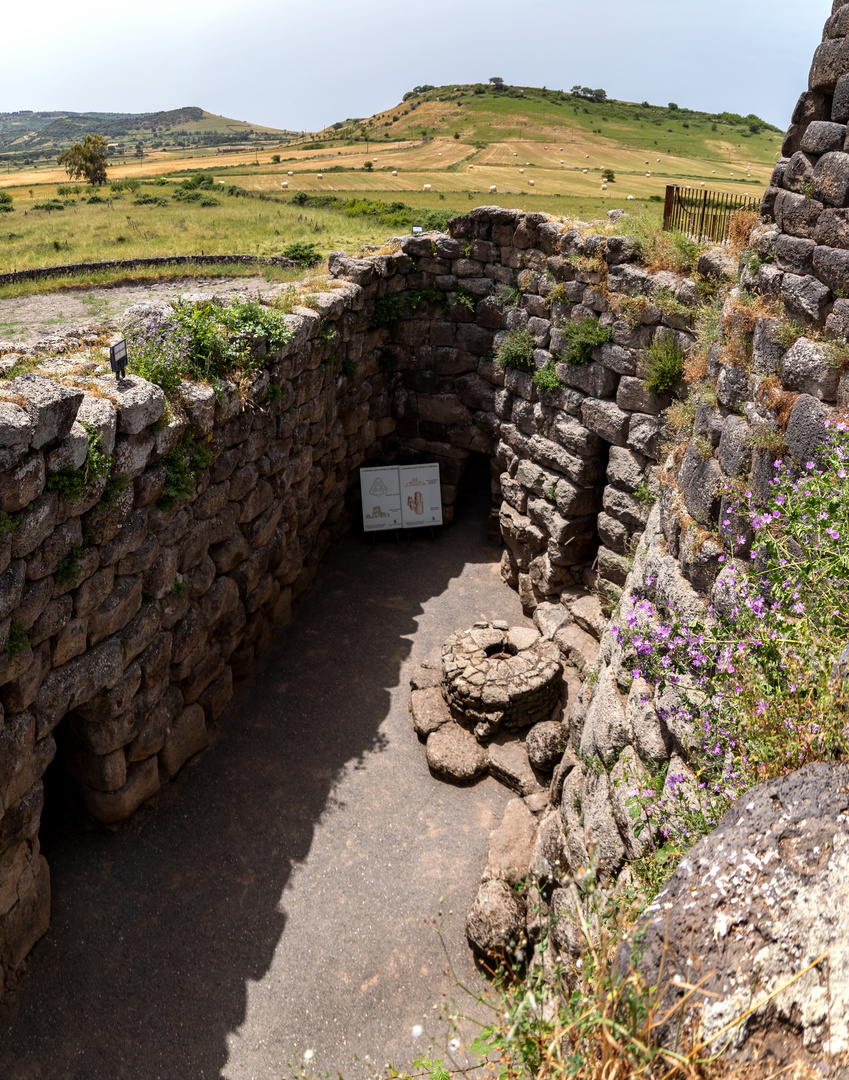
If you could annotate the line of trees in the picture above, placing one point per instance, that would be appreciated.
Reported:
(589, 94)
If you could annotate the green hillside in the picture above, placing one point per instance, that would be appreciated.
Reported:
(27, 137)
(485, 114)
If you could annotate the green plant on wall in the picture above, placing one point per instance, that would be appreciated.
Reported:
(664, 364)
(517, 350)
(581, 338)
(546, 379)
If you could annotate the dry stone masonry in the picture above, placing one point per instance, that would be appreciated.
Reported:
(808, 196)
(501, 678)
(127, 619)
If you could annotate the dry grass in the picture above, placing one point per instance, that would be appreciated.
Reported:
(741, 227)
(772, 394)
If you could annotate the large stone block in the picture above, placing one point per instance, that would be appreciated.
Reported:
(797, 215)
(700, 482)
(831, 61)
(99, 413)
(823, 136)
(634, 396)
(805, 298)
(805, 432)
(51, 407)
(22, 483)
(831, 179)
(186, 737)
(831, 266)
(78, 681)
(606, 419)
(795, 255)
(799, 172)
(808, 368)
(833, 228)
(112, 807)
(27, 920)
(117, 609)
(17, 427)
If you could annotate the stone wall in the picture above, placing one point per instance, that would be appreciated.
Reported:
(127, 619)
(808, 196)
(66, 269)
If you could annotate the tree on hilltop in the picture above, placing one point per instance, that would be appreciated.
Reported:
(86, 160)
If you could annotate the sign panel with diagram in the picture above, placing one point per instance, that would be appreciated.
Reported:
(381, 499)
(421, 496)
(401, 497)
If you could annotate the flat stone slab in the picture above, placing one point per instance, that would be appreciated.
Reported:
(577, 647)
(511, 844)
(429, 710)
(454, 753)
(425, 678)
(508, 762)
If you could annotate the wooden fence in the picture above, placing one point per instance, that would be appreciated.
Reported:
(703, 215)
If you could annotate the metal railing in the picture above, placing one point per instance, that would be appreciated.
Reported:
(703, 215)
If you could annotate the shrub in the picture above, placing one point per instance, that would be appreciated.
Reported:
(73, 483)
(68, 570)
(581, 338)
(517, 350)
(387, 310)
(5, 202)
(183, 465)
(204, 342)
(664, 365)
(17, 641)
(303, 254)
(546, 379)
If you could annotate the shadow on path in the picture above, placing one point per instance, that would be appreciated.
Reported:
(272, 898)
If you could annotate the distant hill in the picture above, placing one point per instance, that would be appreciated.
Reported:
(485, 114)
(29, 136)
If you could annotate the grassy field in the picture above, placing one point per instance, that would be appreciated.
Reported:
(539, 149)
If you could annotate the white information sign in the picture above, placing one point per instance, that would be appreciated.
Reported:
(421, 497)
(381, 499)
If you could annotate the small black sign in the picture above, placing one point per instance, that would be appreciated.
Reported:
(417, 230)
(118, 358)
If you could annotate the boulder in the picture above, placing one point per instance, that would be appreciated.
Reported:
(545, 744)
(510, 845)
(750, 906)
(495, 924)
(455, 754)
(429, 710)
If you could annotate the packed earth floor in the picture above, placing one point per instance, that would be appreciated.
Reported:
(273, 899)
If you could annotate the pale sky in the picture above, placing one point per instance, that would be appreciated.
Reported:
(302, 65)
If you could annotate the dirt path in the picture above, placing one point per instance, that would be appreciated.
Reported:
(274, 898)
(25, 319)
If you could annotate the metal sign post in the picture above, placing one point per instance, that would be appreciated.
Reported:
(118, 358)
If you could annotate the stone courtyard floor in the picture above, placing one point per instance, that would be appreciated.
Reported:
(272, 899)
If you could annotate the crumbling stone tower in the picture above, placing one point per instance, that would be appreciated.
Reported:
(808, 195)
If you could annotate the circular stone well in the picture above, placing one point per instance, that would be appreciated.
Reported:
(495, 676)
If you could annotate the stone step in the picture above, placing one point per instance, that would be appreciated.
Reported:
(577, 647)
